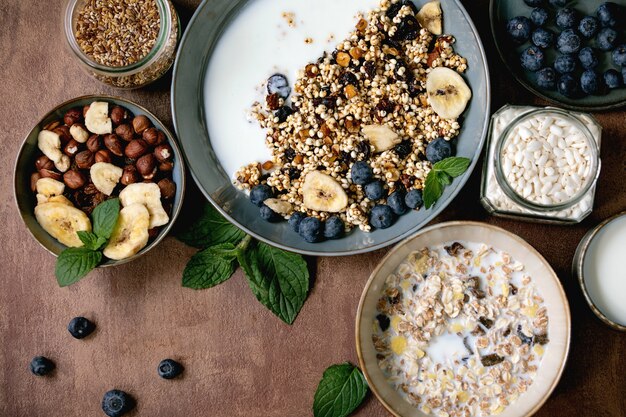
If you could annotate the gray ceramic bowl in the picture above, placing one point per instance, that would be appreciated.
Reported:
(24, 167)
(195, 50)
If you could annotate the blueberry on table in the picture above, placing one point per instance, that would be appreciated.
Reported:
(546, 78)
(532, 59)
(568, 42)
(283, 113)
(361, 173)
(414, 199)
(567, 18)
(437, 150)
(607, 39)
(588, 26)
(539, 16)
(260, 193)
(375, 190)
(591, 83)
(381, 216)
(295, 220)
(269, 215)
(169, 369)
(311, 229)
(116, 403)
(80, 327)
(565, 64)
(519, 29)
(396, 202)
(278, 84)
(612, 78)
(611, 14)
(543, 38)
(41, 366)
(588, 58)
(558, 3)
(334, 228)
(569, 86)
(619, 56)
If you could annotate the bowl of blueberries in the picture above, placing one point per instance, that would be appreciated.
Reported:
(572, 53)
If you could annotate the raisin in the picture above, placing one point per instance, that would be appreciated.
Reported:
(363, 147)
(370, 69)
(512, 289)
(283, 113)
(414, 287)
(415, 88)
(345, 157)
(467, 346)
(491, 360)
(473, 282)
(525, 339)
(294, 173)
(383, 322)
(408, 29)
(394, 300)
(453, 250)
(403, 149)
(478, 293)
(507, 332)
(348, 77)
(401, 64)
(486, 322)
(478, 331)
(541, 339)
(385, 105)
(290, 154)
(394, 9)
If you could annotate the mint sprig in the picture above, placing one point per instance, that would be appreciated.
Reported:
(440, 176)
(340, 392)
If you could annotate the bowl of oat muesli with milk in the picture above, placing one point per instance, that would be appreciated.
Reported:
(463, 319)
(334, 127)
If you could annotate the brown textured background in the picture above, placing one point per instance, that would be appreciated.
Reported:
(240, 360)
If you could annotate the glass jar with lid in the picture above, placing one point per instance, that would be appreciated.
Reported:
(541, 164)
(123, 44)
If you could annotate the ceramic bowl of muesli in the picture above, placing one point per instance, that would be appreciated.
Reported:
(314, 126)
(463, 319)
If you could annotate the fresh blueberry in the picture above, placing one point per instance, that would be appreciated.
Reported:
(568, 42)
(610, 14)
(311, 229)
(532, 58)
(546, 78)
(558, 3)
(361, 173)
(260, 193)
(295, 220)
(568, 86)
(543, 38)
(414, 199)
(269, 215)
(403, 149)
(607, 39)
(116, 403)
(438, 150)
(381, 216)
(41, 366)
(564, 64)
(80, 327)
(519, 29)
(539, 16)
(283, 113)
(375, 190)
(588, 26)
(170, 369)
(588, 58)
(334, 228)
(613, 79)
(278, 84)
(566, 18)
(534, 3)
(624, 74)
(619, 56)
(591, 82)
(396, 202)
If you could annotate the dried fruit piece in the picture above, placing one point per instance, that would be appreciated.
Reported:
(448, 94)
(322, 193)
(382, 137)
(430, 17)
(130, 234)
(105, 176)
(491, 360)
(62, 222)
(97, 118)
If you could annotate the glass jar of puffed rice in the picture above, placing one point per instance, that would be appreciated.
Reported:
(541, 165)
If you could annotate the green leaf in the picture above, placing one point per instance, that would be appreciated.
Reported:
(211, 228)
(432, 189)
(90, 240)
(105, 217)
(210, 267)
(74, 263)
(453, 166)
(443, 178)
(278, 279)
(340, 392)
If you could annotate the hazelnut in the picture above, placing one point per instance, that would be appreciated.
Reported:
(153, 136)
(74, 179)
(72, 116)
(125, 132)
(85, 110)
(167, 166)
(34, 177)
(71, 148)
(141, 123)
(113, 144)
(94, 143)
(136, 148)
(48, 173)
(168, 188)
(103, 156)
(130, 175)
(119, 115)
(146, 165)
(43, 162)
(85, 159)
(64, 133)
(163, 153)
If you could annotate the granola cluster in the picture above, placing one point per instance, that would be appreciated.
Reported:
(472, 294)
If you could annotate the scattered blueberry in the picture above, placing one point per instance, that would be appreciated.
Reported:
(283, 113)
(295, 220)
(624, 74)
(565, 64)
(375, 190)
(619, 56)
(568, 42)
(383, 322)
(361, 173)
(606, 39)
(543, 38)
(311, 229)
(116, 403)
(259, 194)
(534, 3)
(396, 202)
(566, 18)
(558, 3)
(334, 228)
(568, 86)
(588, 26)
(170, 369)
(610, 14)
(519, 29)
(269, 215)
(437, 150)
(41, 366)
(80, 327)
(612, 78)
(381, 216)
(539, 16)
(403, 149)
(588, 58)
(546, 78)
(532, 58)
(590, 82)
(279, 84)
(414, 199)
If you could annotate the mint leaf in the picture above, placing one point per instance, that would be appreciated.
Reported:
(432, 189)
(105, 217)
(90, 240)
(210, 267)
(453, 166)
(74, 263)
(278, 279)
(340, 392)
(210, 228)
(443, 178)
